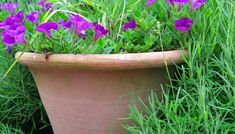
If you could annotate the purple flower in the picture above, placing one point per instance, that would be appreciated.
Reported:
(42, 3)
(183, 24)
(48, 6)
(18, 18)
(45, 6)
(75, 18)
(130, 25)
(197, 4)
(47, 27)
(33, 17)
(10, 7)
(100, 32)
(66, 24)
(12, 22)
(13, 37)
(80, 24)
(150, 2)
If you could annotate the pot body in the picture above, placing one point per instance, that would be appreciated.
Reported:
(92, 96)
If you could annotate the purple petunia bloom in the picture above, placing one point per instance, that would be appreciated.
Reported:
(47, 27)
(33, 17)
(80, 25)
(65, 24)
(48, 6)
(13, 37)
(42, 3)
(45, 6)
(10, 7)
(100, 32)
(12, 22)
(130, 25)
(183, 24)
(197, 4)
(150, 2)
(13, 30)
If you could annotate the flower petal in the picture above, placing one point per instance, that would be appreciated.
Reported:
(130, 25)
(10, 7)
(100, 32)
(47, 27)
(65, 24)
(13, 37)
(33, 17)
(7, 39)
(184, 24)
(80, 24)
(197, 4)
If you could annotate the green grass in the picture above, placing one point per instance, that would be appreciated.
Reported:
(202, 98)
(21, 110)
(20, 106)
(5, 129)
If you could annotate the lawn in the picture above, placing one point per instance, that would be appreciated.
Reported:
(199, 99)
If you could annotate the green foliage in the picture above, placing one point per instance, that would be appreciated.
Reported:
(202, 97)
(19, 99)
(20, 106)
(5, 129)
(154, 32)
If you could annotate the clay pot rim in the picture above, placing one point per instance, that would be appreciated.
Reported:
(104, 61)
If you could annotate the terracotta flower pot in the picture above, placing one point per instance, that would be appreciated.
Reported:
(88, 94)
